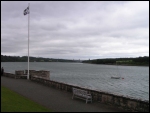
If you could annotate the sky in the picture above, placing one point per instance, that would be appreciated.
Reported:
(75, 29)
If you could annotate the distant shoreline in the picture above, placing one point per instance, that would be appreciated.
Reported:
(100, 64)
(120, 64)
(129, 65)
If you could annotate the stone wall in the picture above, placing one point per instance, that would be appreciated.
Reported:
(41, 73)
(11, 75)
(30, 71)
(129, 104)
(20, 72)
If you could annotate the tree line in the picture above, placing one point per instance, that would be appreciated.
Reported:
(143, 61)
(5, 58)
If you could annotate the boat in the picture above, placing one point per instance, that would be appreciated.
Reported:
(115, 77)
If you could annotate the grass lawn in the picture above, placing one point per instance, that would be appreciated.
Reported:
(13, 102)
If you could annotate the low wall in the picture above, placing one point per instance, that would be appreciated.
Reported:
(129, 104)
(20, 72)
(30, 72)
(11, 75)
(41, 73)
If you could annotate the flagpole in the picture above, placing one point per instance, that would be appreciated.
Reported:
(28, 40)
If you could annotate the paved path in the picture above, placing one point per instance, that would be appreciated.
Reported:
(55, 99)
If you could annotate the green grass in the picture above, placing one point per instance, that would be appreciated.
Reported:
(13, 102)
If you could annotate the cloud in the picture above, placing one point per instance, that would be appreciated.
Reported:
(76, 29)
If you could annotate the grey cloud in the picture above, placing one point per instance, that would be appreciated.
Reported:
(76, 29)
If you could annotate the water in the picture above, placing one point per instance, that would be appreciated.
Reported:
(135, 83)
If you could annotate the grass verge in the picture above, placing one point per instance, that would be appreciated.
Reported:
(13, 102)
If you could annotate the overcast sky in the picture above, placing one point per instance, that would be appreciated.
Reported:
(76, 29)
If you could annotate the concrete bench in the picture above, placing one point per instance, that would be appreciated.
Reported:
(82, 94)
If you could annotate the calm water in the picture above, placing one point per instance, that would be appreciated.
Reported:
(135, 83)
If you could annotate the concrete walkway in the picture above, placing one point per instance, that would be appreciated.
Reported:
(54, 99)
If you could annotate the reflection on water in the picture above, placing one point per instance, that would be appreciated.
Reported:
(135, 83)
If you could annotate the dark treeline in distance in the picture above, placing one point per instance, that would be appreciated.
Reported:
(5, 58)
(139, 61)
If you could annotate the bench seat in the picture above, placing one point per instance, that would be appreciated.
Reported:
(82, 94)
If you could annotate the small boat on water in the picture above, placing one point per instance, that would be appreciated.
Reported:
(113, 77)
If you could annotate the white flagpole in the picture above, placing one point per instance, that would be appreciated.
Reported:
(28, 40)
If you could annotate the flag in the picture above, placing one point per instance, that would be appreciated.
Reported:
(26, 11)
